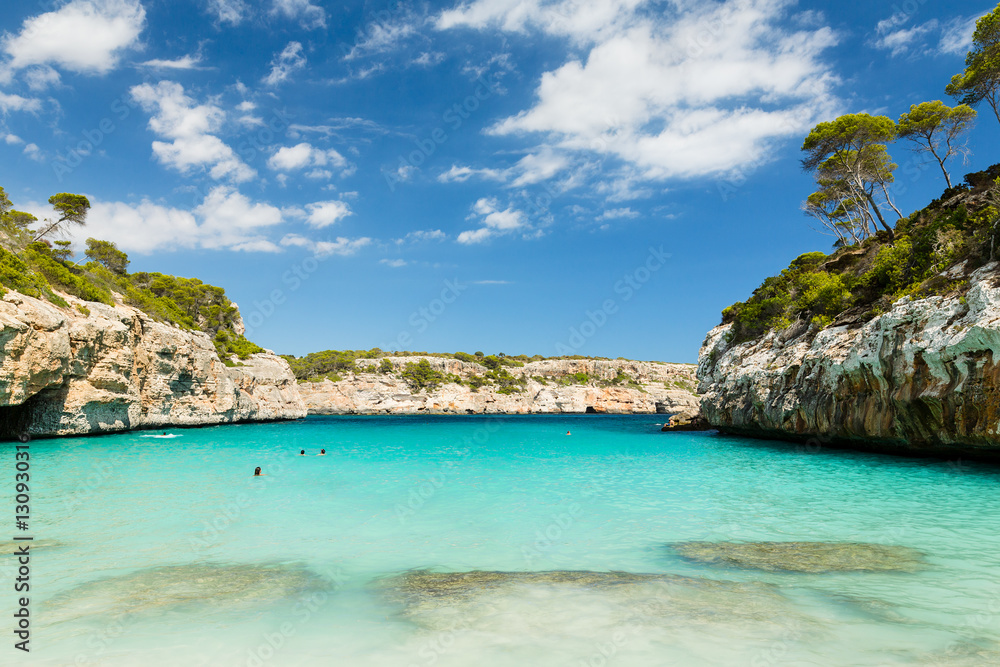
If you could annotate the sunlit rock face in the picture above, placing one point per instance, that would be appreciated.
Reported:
(658, 388)
(921, 378)
(63, 372)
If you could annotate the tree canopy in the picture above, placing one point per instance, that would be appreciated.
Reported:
(107, 255)
(852, 166)
(938, 129)
(980, 80)
(71, 208)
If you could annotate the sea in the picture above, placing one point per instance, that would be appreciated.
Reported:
(577, 540)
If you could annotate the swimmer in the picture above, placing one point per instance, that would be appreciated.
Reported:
(568, 433)
(322, 452)
(257, 472)
(302, 452)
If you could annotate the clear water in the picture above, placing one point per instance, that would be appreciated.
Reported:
(168, 552)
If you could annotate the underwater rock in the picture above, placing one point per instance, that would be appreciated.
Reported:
(171, 587)
(8, 548)
(809, 557)
(482, 599)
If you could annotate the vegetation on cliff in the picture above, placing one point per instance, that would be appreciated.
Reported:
(33, 264)
(875, 263)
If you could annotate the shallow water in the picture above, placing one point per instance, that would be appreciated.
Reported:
(169, 549)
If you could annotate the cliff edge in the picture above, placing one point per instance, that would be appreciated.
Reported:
(92, 367)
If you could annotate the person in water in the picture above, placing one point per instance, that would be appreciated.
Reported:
(302, 452)
(568, 433)
(256, 472)
(322, 452)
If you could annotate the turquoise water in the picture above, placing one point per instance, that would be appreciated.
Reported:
(167, 552)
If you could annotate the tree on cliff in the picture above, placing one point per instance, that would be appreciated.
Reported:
(72, 210)
(853, 168)
(980, 80)
(938, 129)
(14, 224)
(108, 255)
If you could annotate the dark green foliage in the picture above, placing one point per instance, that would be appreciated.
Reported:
(15, 275)
(386, 367)
(108, 255)
(60, 276)
(319, 365)
(420, 376)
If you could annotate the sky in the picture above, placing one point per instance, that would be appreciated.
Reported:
(520, 176)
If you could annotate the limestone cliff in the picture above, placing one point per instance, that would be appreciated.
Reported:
(548, 388)
(921, 377)
(94, 368)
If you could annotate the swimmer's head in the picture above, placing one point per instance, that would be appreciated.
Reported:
(322, 451)
(302, 451)
(256, 471)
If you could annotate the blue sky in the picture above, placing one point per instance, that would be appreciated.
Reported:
(518, 176)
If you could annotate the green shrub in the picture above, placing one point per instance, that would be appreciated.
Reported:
(420, 376)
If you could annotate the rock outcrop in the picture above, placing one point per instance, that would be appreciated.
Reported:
(657, 388)
(921, 378)
(94, 368)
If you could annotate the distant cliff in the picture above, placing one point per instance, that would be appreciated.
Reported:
(90, 367)
(386, 386)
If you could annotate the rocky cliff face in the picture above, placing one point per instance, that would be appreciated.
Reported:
(66, 371)
(664, 388)
(921, 378)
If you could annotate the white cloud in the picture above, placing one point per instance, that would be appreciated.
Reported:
(190, 127)
(17, 103)
(305, 155)
(225, 220)
(283, 64)
(956, 35)
(184, 62)
(13, 139)
(616, 213)
(41, 78)
(325, 213)
(340, 246)
(308, 14)
(461, 174)
(34, 152)
(394, 263)
(85, 36)
(670, 96)
(229, 218)
(494, 221)
(229, 11)
(900, 41)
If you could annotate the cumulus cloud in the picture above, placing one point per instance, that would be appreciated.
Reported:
(283, 64)
(325, 213)
(190, 127)
(494, 221)
(224, 220)
(394, 263)
(86, 36)
(309, 15)
(705, 92)
(305, 155)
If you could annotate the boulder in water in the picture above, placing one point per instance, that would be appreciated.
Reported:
(808, 557)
